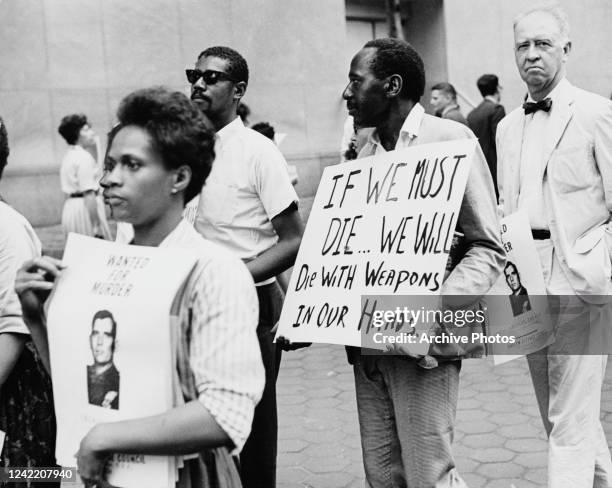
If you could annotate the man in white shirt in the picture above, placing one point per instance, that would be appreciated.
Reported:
(248, 205)
(555, 162)
(407, 412)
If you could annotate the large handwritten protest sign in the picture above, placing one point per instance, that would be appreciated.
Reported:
(110, 347)
(517, 303)
(378, 225)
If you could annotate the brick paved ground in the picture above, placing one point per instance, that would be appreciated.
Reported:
(499, 438)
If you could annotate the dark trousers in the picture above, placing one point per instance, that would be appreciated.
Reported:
(258, 457)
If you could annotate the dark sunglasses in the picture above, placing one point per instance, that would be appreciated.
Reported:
(209, 76)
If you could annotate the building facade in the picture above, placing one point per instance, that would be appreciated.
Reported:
(64, 56)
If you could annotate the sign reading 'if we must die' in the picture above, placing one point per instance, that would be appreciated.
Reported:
(379, 225)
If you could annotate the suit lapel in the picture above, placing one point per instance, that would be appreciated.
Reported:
(515, 133)
(560, 116)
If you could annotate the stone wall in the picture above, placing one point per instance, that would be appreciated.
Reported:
(64, 56)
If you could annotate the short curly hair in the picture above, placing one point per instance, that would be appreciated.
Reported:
(237, 65)
(4, 146)
(178, 129)
(397, 57)
(70, 126)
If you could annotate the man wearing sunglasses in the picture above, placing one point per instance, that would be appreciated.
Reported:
(249, 206)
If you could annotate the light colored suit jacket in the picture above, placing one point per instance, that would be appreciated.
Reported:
(577, 184)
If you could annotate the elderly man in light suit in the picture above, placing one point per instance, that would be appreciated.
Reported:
(555, 161)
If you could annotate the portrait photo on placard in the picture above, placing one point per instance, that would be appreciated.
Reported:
(103, 380)
(519, 297)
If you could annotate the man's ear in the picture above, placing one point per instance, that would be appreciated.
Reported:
(394, 85)
(567, 48)
(239, 89)
(182, 178)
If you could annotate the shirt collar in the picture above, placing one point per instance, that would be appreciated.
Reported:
(409, 129)
(233, 127)
(557, 94)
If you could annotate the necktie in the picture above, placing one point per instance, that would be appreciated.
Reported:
(531, 107)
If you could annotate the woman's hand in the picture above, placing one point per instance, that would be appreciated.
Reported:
(38, 275)
(33, 284)
(91, 460)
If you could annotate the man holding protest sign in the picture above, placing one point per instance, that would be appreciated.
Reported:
(555, 161)
(248, 206)
(407, 412)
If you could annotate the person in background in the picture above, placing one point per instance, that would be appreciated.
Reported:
(353, 139)
(26, 400)
(83, 211)
(444, 102)
(244, 112)
(484, 118)
(264, 128)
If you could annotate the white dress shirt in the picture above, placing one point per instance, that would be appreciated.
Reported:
(248, 186)
(407, 135)
(531, 195)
